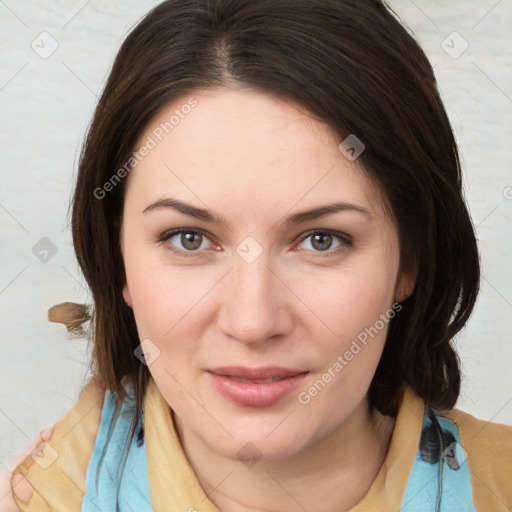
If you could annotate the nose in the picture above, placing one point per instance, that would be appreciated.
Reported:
(255, 306)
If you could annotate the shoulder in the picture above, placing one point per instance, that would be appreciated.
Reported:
(53, 476)
(487, 448)
(495, 436)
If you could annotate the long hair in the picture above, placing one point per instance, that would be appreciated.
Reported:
(355, 67)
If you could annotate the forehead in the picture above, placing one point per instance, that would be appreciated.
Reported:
(236, 145)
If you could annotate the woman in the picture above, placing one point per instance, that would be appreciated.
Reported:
(269, 215)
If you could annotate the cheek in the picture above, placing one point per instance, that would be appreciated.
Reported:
(348, 301)
(166, 299)
(356, 307)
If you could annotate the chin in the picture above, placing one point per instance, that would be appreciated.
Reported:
(252, 446)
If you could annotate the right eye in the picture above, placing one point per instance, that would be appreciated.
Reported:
(185, 241)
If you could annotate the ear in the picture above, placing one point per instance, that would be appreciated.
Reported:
(406, 283)
(127, 296)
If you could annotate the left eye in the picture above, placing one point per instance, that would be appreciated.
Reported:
(322, 241)
(188, 240)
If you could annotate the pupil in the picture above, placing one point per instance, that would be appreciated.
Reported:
(187, 240)
(322, 242)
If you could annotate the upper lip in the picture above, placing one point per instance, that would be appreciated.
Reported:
(266, 372)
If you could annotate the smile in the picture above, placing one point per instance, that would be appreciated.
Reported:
(260, 387)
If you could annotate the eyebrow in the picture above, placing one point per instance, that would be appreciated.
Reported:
(187, 209)
(297, 218)
(322, 211)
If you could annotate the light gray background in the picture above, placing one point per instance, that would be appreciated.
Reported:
(46, 104)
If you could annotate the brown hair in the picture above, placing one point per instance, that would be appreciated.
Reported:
(352, 64)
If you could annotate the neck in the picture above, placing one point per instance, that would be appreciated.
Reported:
(337, 471)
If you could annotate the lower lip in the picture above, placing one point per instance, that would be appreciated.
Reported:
(256, 395)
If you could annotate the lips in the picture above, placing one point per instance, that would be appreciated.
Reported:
(255, 387)
(268, 372)
(255, 381)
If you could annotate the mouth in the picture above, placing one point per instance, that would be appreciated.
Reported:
(255, 387)
(255, 374)
(255, 381)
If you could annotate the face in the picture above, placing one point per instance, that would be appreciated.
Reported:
(261, 269)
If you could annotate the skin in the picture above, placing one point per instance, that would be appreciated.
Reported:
(253, 160)
(18, 484)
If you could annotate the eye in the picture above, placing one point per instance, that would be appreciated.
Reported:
(183, 240)
(323, 241)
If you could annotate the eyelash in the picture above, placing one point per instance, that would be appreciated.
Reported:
(164, 237)
(345, 240)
